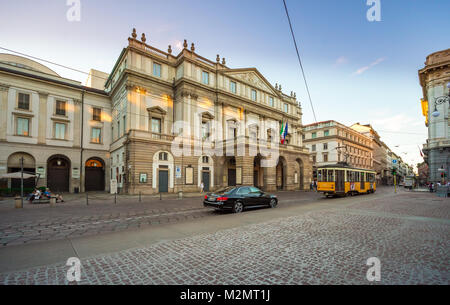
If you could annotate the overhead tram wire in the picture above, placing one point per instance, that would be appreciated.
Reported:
(300, 61)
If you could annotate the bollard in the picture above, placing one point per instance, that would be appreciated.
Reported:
(87, 199)
(160, 196)
(180, 195)
(139, 196)
(115, 198)
(52, 201)
(18, 202)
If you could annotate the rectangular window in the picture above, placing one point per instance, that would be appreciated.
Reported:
(97, 114)
(314, 135)
(326, 133)
(205, 78)
(23, 127)
(118, 128)
(205, 130)
(314, 159)
(325, 157)
(60, 131)
(233, 87)
(271, 103)
(231, 132)
(156, 128)
(330, 176)
(253, 95)
(313, 148)
(24, 101)
(156, 69)
(96, 135)
(325, 146)
(124, 124)
(156, 125)
(286, 108)
(60, 107)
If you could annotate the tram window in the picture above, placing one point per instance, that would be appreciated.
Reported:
(319, 175)
(330, 175)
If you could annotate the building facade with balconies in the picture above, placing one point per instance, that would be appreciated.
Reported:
(180, 120)
(380, 164)
(330, 142)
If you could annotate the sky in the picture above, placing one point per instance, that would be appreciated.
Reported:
(357, 71)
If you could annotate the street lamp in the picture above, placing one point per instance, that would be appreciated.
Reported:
(440, 100)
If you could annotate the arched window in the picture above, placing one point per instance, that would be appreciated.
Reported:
(163, 156)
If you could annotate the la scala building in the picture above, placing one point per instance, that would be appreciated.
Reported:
(159, 122)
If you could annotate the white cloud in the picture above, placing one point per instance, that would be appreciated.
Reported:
(365, 68)
(340, 61)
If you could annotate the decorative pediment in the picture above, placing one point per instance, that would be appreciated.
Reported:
(252, 77)
(207, 116)
(157, 110)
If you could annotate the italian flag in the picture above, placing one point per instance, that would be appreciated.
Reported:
(283, 132)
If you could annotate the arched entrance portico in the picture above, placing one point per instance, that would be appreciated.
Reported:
(58, 173)
(29, 166)
(94, 175)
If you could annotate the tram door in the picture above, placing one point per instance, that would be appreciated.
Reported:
(340, 181)
(362, 181)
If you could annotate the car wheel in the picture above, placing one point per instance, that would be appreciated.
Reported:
(238, 207)
(273, 203)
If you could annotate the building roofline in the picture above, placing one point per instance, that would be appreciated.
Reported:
(29, 75)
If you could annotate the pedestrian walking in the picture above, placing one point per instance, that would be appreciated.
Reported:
(202, 186)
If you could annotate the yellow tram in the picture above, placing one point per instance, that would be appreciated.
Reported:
(343, 180)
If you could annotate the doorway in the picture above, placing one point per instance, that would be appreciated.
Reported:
(58, 168)
(163, 179)
(94, 175)
(206, 180)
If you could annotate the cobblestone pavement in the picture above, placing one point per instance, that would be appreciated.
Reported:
(409, 233)
(41, 222)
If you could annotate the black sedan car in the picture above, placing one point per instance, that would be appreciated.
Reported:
(236, 198)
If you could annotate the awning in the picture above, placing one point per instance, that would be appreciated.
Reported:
(17, 175)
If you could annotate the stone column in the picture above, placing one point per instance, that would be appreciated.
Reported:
(42, 119)
(270, 174)
(246, 163)
(3, 110)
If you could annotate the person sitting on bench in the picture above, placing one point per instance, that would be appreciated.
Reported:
(48, 194)
(31, 195)
(36, 194)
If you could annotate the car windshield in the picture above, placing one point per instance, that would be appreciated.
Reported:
(225, 190)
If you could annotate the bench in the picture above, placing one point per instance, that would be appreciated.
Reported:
(42, 200)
